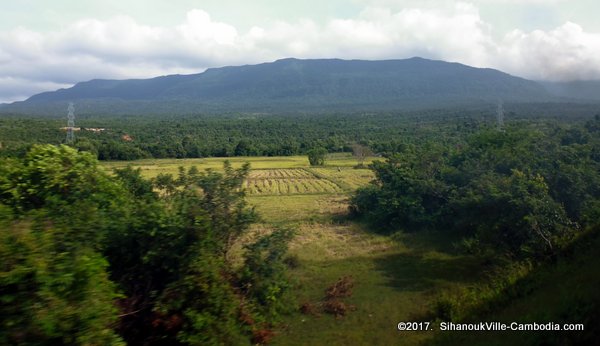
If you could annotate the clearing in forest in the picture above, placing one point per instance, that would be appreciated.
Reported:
(395, 278)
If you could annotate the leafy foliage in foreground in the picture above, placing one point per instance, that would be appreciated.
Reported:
(90, 259)
(54, 284)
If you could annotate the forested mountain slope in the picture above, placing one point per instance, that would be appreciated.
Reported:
(298, 85)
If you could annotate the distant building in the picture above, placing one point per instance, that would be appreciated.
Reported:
(95, 129)
(92, 129)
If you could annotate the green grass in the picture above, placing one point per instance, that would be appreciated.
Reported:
(284, 175)
(395, 280)
(546, 296)
(152, 167)
(293, 209)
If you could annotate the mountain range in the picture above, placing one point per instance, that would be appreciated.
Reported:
(295, 85)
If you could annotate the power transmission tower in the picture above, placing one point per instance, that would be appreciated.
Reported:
(70, 123)
(500, 116)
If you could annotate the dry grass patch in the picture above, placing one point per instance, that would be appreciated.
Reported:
(347, 177)
(332, 242)
(295, 208)
(288, 181)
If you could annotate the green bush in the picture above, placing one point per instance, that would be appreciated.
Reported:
(65, 225)
(316, 156)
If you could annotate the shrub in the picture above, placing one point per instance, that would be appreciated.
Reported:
(316, 157)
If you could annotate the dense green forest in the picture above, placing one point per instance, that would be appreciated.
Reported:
(136, 137)
(522, 198)
(95, 258)
(549, 173)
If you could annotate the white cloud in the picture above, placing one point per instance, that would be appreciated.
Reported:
(564, 53)
(120, 47)
(12, 89)
(439, 3)
(199, 28)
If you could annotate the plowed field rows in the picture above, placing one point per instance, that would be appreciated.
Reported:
(280, 174)
(286, 182)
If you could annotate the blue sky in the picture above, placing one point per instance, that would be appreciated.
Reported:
(45, 45)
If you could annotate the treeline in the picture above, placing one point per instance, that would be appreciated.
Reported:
(93, 259)
(129, 138)
(519, 192)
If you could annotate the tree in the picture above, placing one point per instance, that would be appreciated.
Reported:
(263, 274)
(512, 215)
(165, 183)
(55, 211)
(172, 261)
(71, 235)
(361, 152)
(405, 196)
(316, 156)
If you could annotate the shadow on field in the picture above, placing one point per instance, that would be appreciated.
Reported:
(414, 272)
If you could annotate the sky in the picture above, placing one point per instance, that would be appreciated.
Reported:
(46, 45)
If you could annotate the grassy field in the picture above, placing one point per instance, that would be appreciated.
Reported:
(395, 278)
(152, 167)
(272, 176)
(288, 181)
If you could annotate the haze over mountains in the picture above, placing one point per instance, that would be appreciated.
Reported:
(293, 85)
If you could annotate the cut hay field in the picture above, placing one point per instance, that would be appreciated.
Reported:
(395, 278)
(279, 176)
(152, 167)
(288, 181)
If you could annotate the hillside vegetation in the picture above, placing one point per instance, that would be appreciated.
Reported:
(295, 85)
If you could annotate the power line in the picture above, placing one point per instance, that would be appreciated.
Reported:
(70, 123)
